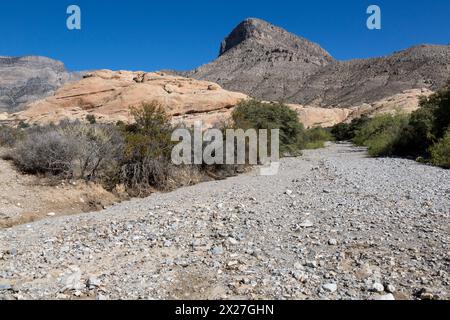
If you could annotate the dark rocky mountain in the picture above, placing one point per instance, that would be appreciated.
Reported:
(267, 62)
(27, 79)
(263, 60)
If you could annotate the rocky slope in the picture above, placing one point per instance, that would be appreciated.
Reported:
(27, 79)
(355, 82)
(332, 224)
(109, 95)
(263, 61)
(269, 63)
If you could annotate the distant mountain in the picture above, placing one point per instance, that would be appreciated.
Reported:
(368, 80)
(27, 79)
(269, 63)
(263, 61)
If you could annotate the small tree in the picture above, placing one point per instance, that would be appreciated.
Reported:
(148, 148)
(260, 115)
(440, 152)
(91, 119)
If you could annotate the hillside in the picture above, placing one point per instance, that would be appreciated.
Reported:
(269, 63)
(263, 61)
(27, 79)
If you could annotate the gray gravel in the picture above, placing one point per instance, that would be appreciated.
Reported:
(332, 224)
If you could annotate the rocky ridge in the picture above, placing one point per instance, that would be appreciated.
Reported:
(30, 78)
(269, 63)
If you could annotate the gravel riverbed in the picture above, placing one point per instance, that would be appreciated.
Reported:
(333, 224)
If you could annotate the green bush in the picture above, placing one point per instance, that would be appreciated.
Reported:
(148, 146)
(91, 119)
(260, 115)
(380, 134)
(440, 152)
(341, 132)
(347, 131)
(316, 137)
(427, 125)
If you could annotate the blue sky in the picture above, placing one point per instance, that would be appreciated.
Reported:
(152, 35)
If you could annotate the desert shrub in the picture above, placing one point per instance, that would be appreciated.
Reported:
(380, 133)
(427, 125)
(91, 119)
(260, 115)
(49, 152)
(23, 125)
(147, 155)
(316, 137)
(440, 152)
(439, 104)
(9, 136)
(99, 150)
(70, 150)
(347, 131)
(341, 132)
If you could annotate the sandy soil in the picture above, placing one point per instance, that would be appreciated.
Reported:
(26, 198)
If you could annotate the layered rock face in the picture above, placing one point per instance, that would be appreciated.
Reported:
(269, 63)
(27, 79)
(108, 95)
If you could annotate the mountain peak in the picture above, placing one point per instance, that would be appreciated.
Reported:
(250, 28)
(253, 32)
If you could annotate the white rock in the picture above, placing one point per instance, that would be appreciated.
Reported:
(330, 287)
(390, 288)
(386, 297)
(93, 282)
(217, 251)
(332, 242)
(306, 224)
(72, 280)
(377, 287)
(51, 214)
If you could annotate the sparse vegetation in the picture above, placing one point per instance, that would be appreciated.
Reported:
(293, 136)
(316, 137)
(9, 136)
(69, 150)
(380, 134)
(91, 119)
(423, 135)
(440, 152)
(148, 146)
(260, 115)
(137, 156)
